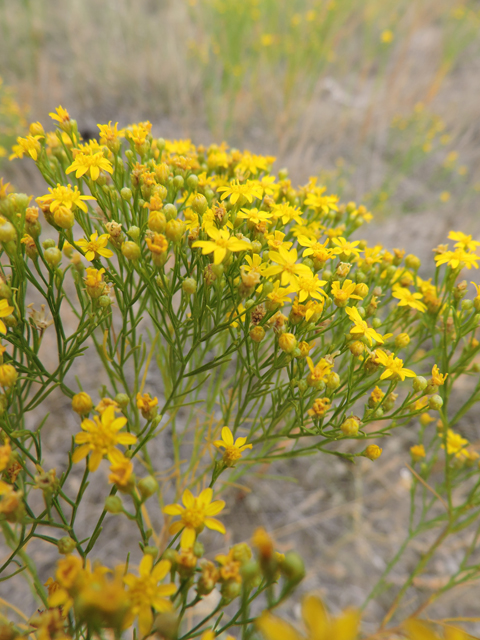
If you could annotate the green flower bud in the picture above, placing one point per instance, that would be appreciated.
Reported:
(131, 250)
(419, 384)
(49, 243)
(151, 551)
(293, 567)
(66, 545)
(166, 625)
(333, 381)
(7, 232)
(189, 286)
(435, 402)
(113, 504)
(192, 182)
(170, 211)
(53, 257)
(126, 194)
(199, 204)
(178, 182)
(104, 302)
(134, 233)
(147, 487)
(122, 400)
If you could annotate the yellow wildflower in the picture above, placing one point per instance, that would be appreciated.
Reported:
(254, 216)
(345, 247)
(341, 294)
(457, 257)
(233, 449)
(29, 145)
(393, 367)
(62, 117)
(276, 239)
(121, 471)
(456, 445)
(318, 372)
(5, 310)
(64, 197)
(286, 213)
(319, 202)
(145, 593)
(361, 328)
(147, 405)
(109, 135)
(417, 452)
(311, 286)
(438, 378)
(315, 249)
(221, 242)
(320, 626)
(287, 266)
(279, 296)
(236, 190)
(90, 164)
(408, 299)
(196, 514)
(463, 241)
(100, 438)
(95, 247)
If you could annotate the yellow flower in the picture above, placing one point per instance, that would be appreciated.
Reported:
(236, 190)
(91, 164)
(5, 453)
(361, 328)
(147, 405)
(279, 296)
(95, 247)
(254, 216)
(145, 592)
(67, 197)
(287, 213)
(320, 626)
(5, 310)
(319, 202)
(311, 286)
(233, 449)
(29, 145)
(287, 266)
(463, 241)
(455, 444)
(386, 36)
(121, 471)
(345, 247)
(318, 372)
(221, 243)
(109, 135)
(61, 116)
(457, 257)
(341, 294)
(100, 438)
(276, 239)
(438, 378)
(408, 299)
(393, 367)
(316, 249)
(417, 452)
(196, 514)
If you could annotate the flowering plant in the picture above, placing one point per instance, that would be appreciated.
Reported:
(228, 319)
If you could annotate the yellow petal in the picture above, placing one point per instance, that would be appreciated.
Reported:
(188, 499)
(216, 525)
(227, 436)
(274, 628)
(315, 615)
(145, 565)
(215, 507)
(188, 538)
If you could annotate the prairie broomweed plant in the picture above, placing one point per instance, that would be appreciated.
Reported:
(220, 294)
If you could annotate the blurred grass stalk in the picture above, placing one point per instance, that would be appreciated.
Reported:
(313, 80)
